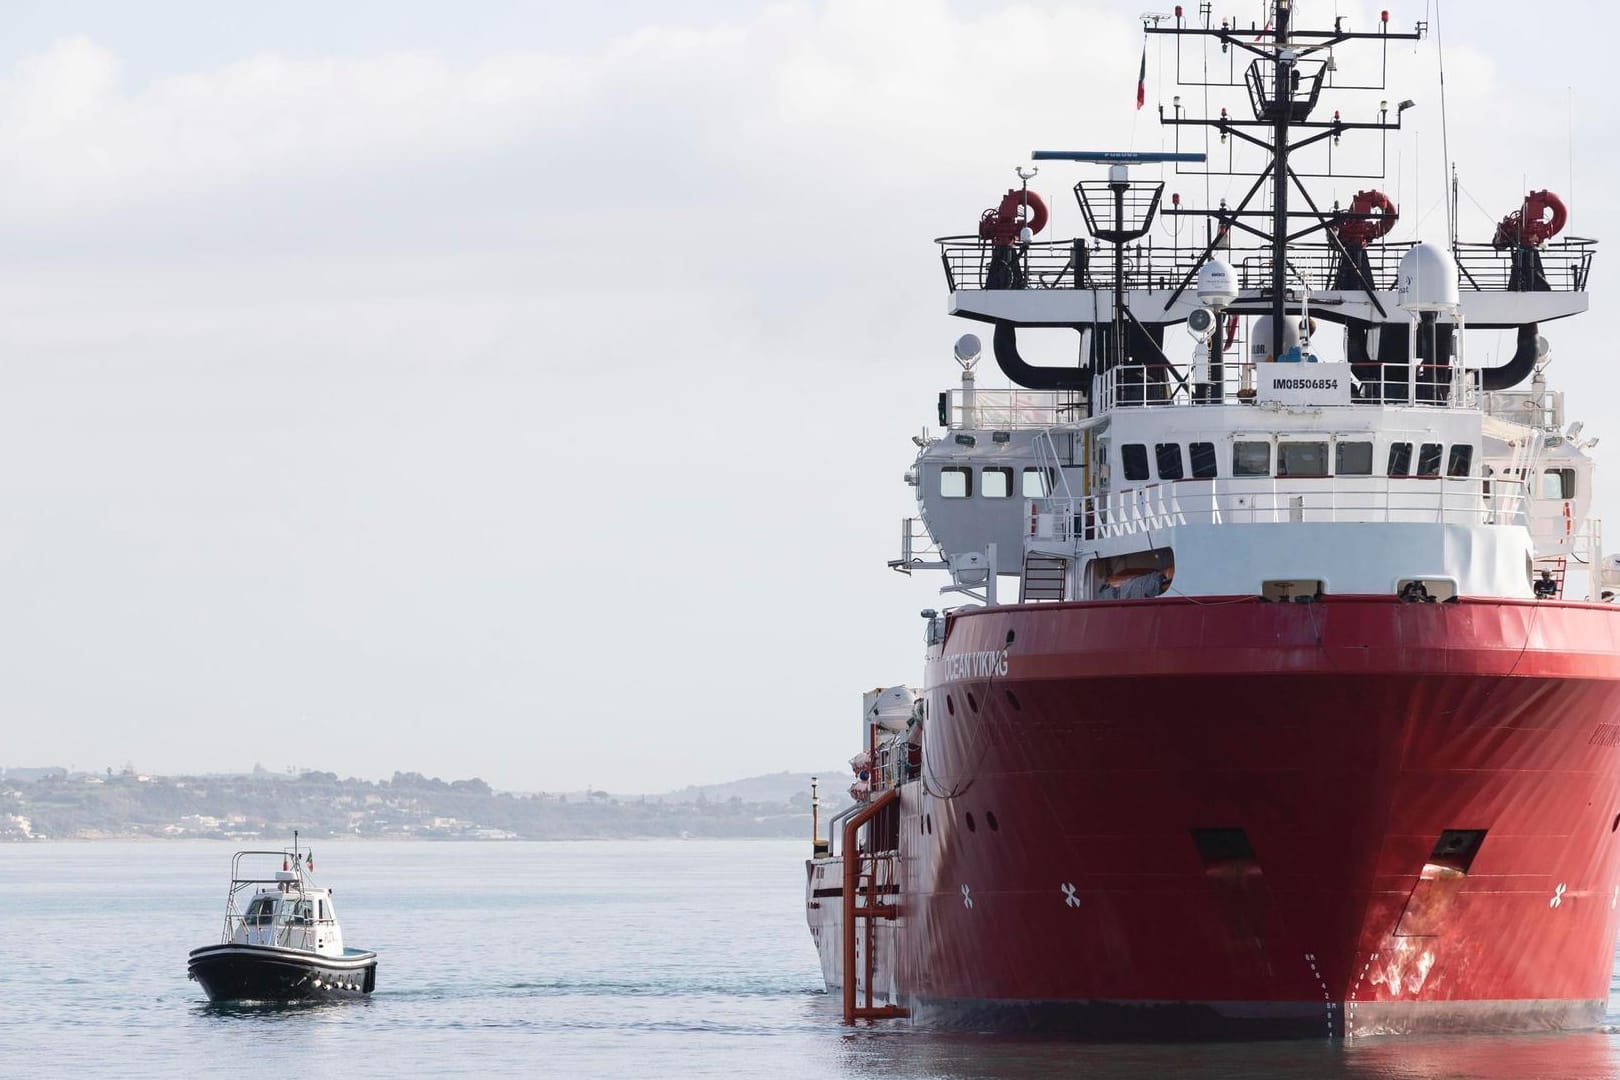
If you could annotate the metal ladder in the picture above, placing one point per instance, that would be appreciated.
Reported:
(1045, 578)
(869, 895)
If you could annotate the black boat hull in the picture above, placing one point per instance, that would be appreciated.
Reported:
(270, 973)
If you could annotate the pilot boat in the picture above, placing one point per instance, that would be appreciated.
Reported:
(281, 939)
(1283, 693)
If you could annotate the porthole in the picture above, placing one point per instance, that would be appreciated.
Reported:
(990, 820)
(973, 702)
(1012, 699)
(1616, 824)
(950, 706)
(928, 824)
(971, 827)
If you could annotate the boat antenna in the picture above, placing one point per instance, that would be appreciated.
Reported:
(1445, 133)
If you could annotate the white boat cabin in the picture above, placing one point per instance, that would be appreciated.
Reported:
(292, 915)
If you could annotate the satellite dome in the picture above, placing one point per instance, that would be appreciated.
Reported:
(1260, 338)
(1427, 279)
(1217, 283)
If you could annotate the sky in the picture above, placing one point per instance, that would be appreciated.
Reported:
(523, 390)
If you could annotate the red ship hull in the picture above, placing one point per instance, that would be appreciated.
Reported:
(1227, 818)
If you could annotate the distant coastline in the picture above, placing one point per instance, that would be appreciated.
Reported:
(54, 804)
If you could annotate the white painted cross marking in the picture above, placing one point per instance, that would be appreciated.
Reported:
(1558, 896)
(1068, 894)
(967, 898)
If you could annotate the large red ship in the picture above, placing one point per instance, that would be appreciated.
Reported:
(1297, 725)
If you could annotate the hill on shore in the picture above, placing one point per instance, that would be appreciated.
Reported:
(49, 803)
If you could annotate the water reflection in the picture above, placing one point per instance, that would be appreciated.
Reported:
(912, 1053)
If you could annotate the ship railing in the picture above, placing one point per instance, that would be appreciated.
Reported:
(1367, 500)
(1012, 410)
(917, 548)
(1534, 408)
(1064, 264)
(891, 767)
(1563, 266)
(1559, 266)
(1142, 386)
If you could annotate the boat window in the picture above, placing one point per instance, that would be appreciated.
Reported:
(996, 483)
(1167, 455)
(303, 912)
(1203, 460)
(1557, 484)
(1400, 459)
(1302, 459)
(1461, 460)
(1133, 457)
(326, 911)
(1353, 459)
(956, 481)
(260, 912)
(1037, 483)
(1429, 459)
(1251, 459)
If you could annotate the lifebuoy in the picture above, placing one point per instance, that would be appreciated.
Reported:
(1003, 224)
(1541, 217)
(1364, 231)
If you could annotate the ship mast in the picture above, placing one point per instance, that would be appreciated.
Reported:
(1286, 78)
(1284, 81)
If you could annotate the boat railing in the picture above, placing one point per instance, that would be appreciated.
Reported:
(1559, 266)
(1536, 407)
(1141, 386)
(1376, 499)
(1012, 410)
(918, 551)
(291, 880)
(1066, 264)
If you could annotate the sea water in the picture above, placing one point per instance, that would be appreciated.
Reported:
(599, 959)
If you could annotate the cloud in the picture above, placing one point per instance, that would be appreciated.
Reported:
(562, 392)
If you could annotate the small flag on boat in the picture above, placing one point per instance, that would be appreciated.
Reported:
(284, 866)
(310, 862)
(1141, 77)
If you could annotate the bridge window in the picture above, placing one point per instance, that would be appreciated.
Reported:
(1037, 483)
(1400, 459)
(1557, 484)
(996, 483)
(956, 481)
(1429, 459)
(1168, 457)
(1203, 460)
(1251, 459)
(1302, 459)
(1133, 456)
(1352, 459)
(1461, 460)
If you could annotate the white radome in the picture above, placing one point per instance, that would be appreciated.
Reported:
(1217, 283)
(1428, 279)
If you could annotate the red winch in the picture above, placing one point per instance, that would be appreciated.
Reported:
(1541, 218)
(1003, 224)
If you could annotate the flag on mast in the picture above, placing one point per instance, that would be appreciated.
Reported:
(1141, 77)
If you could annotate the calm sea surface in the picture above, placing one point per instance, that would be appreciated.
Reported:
(656, 959)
